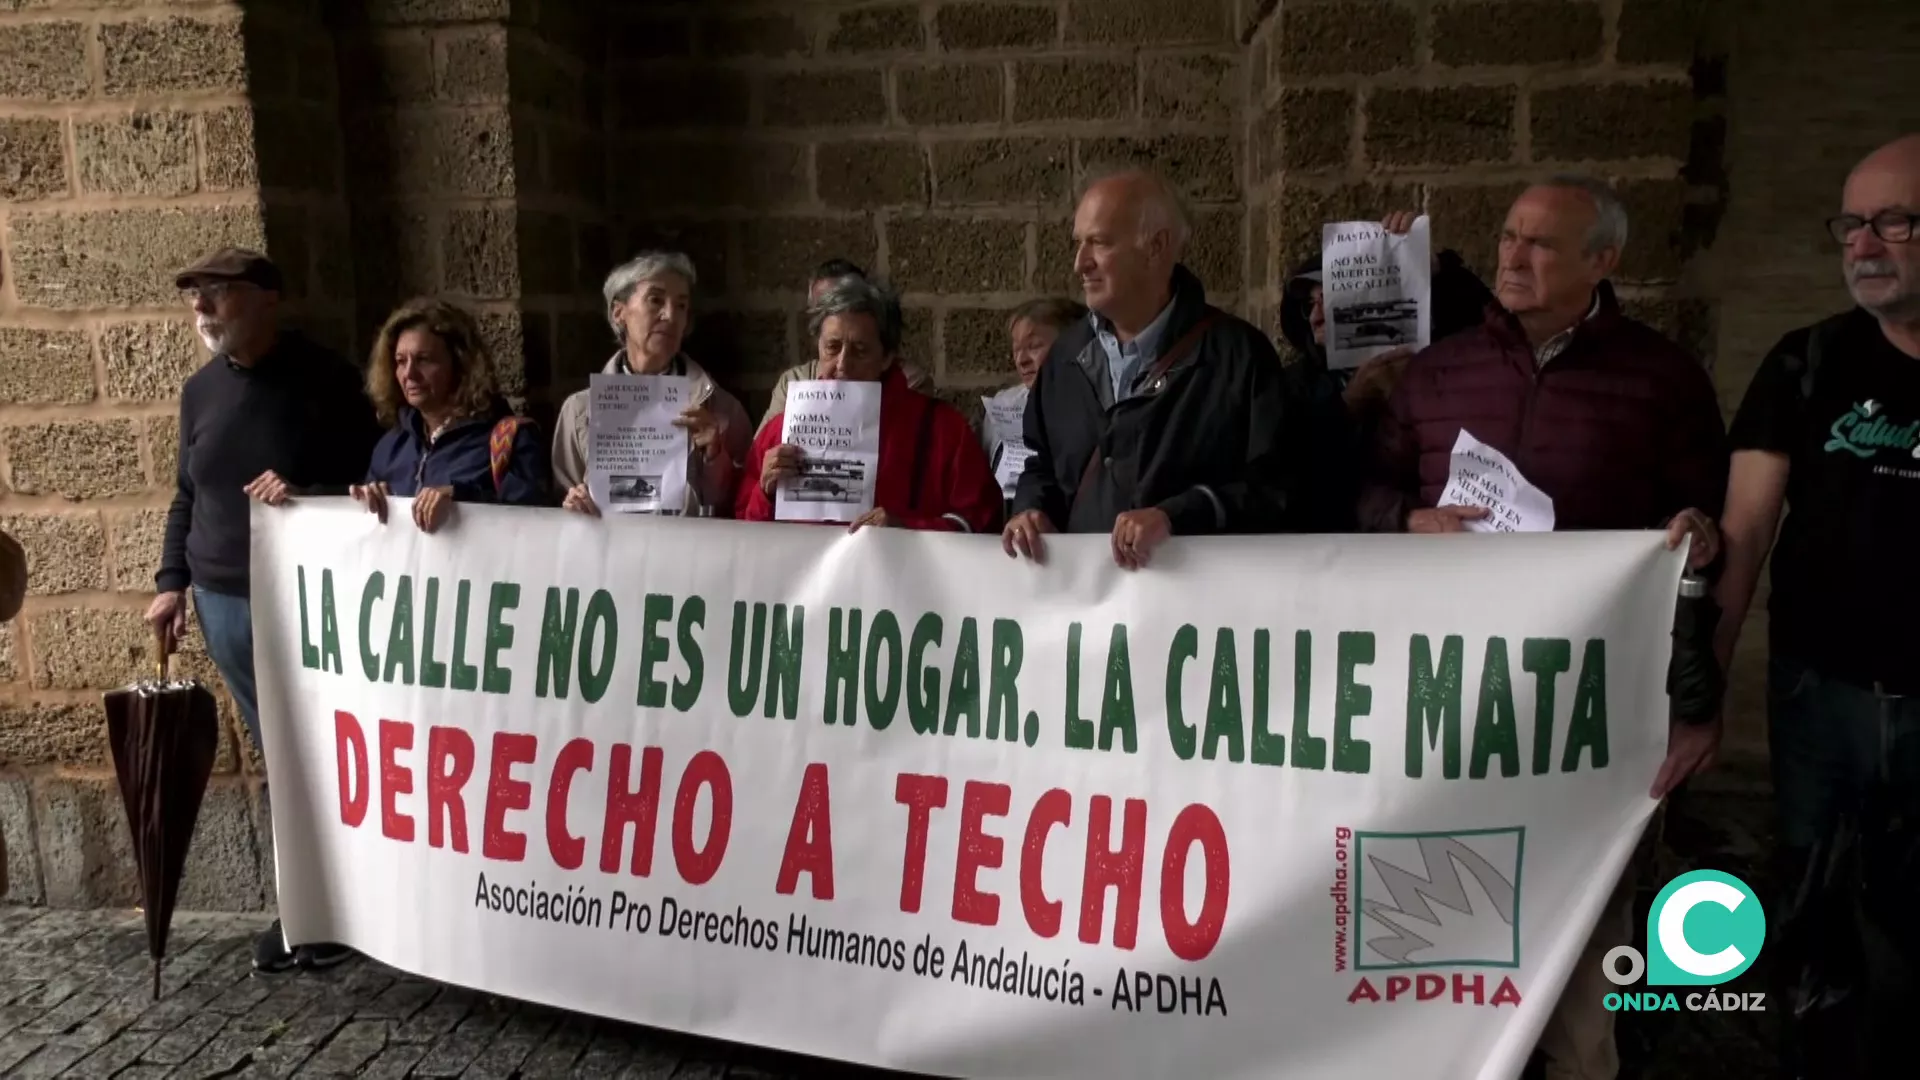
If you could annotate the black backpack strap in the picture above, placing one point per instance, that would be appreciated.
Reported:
(1811, 366)
(922, 446)
(1819, 340)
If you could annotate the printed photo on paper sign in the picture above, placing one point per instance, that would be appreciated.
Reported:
(829, 480)
(640, 494)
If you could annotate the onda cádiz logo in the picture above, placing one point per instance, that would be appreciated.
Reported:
(1704, 929)
(1409, 906)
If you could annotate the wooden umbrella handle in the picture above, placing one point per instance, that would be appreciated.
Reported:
(161, 648)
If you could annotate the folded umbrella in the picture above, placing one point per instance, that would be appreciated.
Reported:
(165, 735)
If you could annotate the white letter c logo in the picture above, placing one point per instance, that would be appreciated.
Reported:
(1673, 934)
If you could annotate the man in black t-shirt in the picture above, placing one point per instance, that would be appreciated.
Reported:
(1831, 427)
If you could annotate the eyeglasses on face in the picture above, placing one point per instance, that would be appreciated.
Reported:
(1891, 226)
(212, 291)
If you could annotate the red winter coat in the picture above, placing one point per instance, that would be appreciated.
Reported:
(1621, 431)
(957, 491)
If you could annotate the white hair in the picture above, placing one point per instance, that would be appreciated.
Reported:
(644, 267)
(1162, 208)
(1610, 214)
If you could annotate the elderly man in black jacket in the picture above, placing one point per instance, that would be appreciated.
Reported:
(1160, 414)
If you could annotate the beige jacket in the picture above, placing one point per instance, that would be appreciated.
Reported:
(570, 439)
(916, 379)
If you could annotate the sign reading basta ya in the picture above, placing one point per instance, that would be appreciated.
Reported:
(1281, 806)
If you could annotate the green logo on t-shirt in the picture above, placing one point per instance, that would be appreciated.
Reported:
(1864, 432)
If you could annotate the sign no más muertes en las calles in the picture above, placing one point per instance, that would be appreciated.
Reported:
(1276, 806)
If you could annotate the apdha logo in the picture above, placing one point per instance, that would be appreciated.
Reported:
(1704, 929)
(1429, 901)
(1439, 899)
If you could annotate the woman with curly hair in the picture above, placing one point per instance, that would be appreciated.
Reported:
(451, 436)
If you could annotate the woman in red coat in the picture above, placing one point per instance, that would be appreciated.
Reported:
(932, 475)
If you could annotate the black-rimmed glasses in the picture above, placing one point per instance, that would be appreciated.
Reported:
(1891, 226)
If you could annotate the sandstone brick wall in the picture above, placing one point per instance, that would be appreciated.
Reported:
(935, 143)
(1358, 107)
(125, 152)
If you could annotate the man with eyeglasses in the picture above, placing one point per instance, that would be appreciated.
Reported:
(1830, 430)
(270, 405)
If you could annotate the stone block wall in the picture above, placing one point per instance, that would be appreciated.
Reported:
(126, 151)
(936, 144)
(1360, 107)
(432, 166)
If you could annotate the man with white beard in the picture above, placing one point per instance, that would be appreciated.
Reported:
(270, 404)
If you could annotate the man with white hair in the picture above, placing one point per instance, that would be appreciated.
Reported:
(1159, 414)
(1619, 427)
(1829, 431)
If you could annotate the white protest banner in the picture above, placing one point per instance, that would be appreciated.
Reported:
(1284, 806)
(1482, 476)
(636, 458)
(1377, 288)
(837, 425)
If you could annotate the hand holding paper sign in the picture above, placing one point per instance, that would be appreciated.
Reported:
(782, 462)
(703, 428)
(1483, 478)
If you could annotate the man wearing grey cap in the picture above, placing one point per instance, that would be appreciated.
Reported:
(271, 405)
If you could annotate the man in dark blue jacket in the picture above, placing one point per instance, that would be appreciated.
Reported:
(270, 400)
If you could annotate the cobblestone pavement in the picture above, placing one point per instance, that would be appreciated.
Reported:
(75, 1001)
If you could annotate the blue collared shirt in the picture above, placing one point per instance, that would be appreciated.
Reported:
(1124, 360)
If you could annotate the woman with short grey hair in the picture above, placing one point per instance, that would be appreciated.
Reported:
(649, 305)
(932, 474)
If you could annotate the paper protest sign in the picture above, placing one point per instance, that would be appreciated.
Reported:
(1482, 476)
(636, 458)
(836, 424)
(1005, 436)
(1377, 289)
